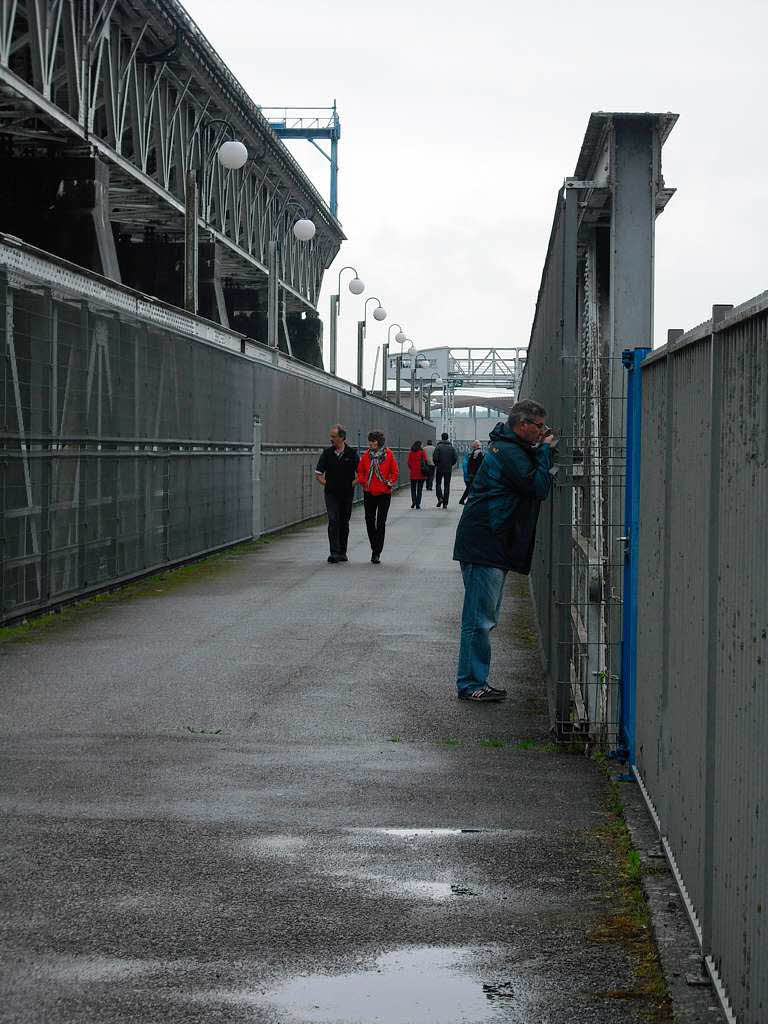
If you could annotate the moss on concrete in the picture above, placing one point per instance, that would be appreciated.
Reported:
(630, 925)
(36, 626)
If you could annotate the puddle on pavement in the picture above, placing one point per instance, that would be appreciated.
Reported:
(273, 846)
(409, 888)
(417, 985)
(438, 833)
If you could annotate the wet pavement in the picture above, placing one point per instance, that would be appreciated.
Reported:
(254, 797)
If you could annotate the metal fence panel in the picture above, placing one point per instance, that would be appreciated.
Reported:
(703, 593)
(652, 571)
(543, 380)
(740, 837)
(126, 444)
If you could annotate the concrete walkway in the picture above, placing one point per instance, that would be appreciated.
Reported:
(253, 796)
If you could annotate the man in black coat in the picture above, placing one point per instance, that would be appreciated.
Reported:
(337, 471)
(497, 532)
(444, 458)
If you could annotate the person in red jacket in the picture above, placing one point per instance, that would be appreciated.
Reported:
(417, 468)
(377, 474)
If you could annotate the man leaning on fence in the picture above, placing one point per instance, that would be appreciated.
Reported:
(337, 470)
(496, 533)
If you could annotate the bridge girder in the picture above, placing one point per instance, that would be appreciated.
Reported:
(135, 82)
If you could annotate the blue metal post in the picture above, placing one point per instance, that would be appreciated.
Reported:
(335, 136)
(632, 359)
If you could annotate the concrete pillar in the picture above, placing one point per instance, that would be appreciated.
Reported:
(306, 331)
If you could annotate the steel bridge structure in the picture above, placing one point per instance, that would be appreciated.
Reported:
(104, 106)
(478, 367)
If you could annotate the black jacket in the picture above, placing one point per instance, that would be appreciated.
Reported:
(444, 456)
(498, 525)
(340, 470)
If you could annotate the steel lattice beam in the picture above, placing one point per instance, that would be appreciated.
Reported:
(137, 83)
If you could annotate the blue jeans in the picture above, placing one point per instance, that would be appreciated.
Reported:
(483, 590)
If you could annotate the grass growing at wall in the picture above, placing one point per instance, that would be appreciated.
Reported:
(161, 582)
(630, 926)
(524, 629)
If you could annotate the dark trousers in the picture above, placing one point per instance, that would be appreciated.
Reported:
(443, 485)
(417, 486)
(430, 477)
(339, 510)
(376, 509)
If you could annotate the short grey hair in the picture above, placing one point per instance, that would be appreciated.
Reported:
(340, 431)
(525, 410)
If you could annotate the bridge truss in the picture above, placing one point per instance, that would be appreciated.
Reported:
(135, 84)
(477, 368)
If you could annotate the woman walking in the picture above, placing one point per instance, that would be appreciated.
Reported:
(417, 468)
(377, 474)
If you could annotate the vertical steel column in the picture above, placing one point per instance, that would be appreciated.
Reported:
(360, 345)
(191, 200)
(712, 632)
(384, 369)
(272, 301)
(256, 495)
(636, 164)
(632, 360)
(398, 372)
(4, 464)
(334, 328)
(666, 555)
(562, 497)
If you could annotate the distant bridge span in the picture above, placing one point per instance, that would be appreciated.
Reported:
(103, 107)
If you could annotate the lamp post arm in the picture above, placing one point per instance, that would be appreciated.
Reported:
(389, 332)
(338, 287)
(372, 298)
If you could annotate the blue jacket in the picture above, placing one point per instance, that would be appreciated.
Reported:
(498, 525)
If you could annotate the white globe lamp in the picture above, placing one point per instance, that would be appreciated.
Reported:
(304, 229)
(232, 155)
(356, 286)
(400, 338)
(379, 313)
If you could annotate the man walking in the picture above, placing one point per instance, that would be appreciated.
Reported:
(496, 533)
(337, 471)
(429, 451)
(472, 461)
(445, 458)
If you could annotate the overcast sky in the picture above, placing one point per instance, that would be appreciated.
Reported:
(460, 120)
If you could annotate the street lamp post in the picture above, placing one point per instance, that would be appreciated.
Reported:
(399, 364)
(357, 287)
(435, 381)
(378, 314)
(399, 338)
(233, 155)
(420, 362)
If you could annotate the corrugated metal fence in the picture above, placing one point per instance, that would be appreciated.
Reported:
(702, 661)
(133, 436)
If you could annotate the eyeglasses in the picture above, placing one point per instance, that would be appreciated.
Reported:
(540, 426)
